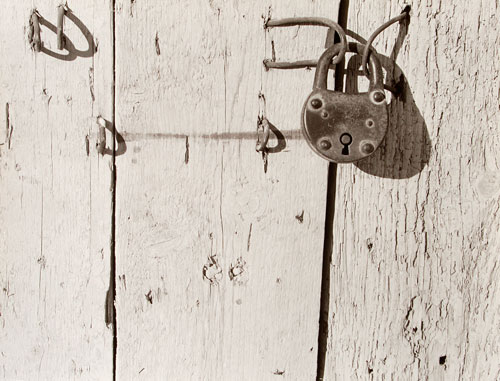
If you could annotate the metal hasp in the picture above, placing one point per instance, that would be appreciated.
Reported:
(297, 21)
(340, 127)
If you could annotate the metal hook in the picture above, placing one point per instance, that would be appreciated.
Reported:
(263, 124)
(364, 61)
(101, 141)
(61, 9)
(35, 31)
(293, 21)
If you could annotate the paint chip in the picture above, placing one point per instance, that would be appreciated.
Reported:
(237, 271)
(300, 217)
(149, 297)
(212, 271)
(157, 44)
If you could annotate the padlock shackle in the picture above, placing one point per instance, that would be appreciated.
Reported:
(321, 75)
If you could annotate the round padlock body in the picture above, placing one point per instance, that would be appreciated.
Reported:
(344, 128)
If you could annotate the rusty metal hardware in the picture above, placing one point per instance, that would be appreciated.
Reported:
(294, 21)
(270, 64)
(339, 127)
(261, 145)
(368, 47)
(34, 34)
(344, 128)
(61, 9)
(101, 140)
(35, 31)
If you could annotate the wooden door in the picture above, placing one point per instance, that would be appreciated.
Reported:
(55, 199)
(414, 291)
(180, 254)
(219, 259)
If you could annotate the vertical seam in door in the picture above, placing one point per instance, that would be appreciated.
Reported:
(113, 187)
(329, 218)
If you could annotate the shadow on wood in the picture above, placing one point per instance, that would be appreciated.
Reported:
(120, 145)
(406, 148)
(281, 144)
(72, 51)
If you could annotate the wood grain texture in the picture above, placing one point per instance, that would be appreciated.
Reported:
(54, 199)
(415, 267)
(218, 263)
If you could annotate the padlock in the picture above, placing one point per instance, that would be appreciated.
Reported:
(340, 127)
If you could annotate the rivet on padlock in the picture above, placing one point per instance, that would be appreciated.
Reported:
(340, 127)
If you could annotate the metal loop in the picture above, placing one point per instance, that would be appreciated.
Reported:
(269, 64)
(320, 78)
(263, 124)
(60, 33)
(101, 141)
(380, 29)
(294, 21)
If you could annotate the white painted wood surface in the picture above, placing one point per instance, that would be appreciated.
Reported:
(54, 198)
(218, 263)
(414, 276)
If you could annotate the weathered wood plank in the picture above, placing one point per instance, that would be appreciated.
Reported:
(218, 263)
(54, 201)
(414, 276)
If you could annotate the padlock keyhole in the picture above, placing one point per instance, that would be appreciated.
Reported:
(345, 140)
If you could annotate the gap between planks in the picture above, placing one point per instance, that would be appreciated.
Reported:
(329, 217)
(112, 275)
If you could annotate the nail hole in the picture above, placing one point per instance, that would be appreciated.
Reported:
(442, 360)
